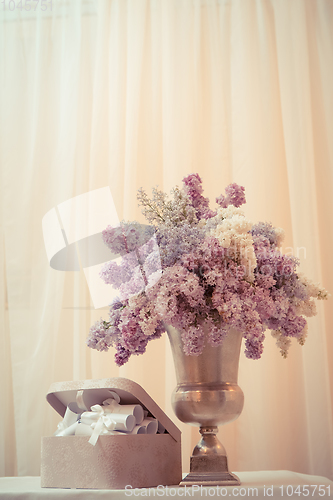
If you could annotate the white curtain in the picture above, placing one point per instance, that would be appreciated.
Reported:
(138, 93)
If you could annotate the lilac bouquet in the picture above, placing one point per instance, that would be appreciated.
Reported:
(201, 270)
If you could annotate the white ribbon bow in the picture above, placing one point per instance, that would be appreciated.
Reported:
(99, 420)
(103, 421)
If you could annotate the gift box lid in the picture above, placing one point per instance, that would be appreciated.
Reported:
(86, 393)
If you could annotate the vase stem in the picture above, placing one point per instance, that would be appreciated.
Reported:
(208, 444)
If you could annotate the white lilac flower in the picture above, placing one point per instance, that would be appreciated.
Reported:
(282, 342)
(313, 289)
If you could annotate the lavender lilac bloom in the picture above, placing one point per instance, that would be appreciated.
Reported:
(204, 272)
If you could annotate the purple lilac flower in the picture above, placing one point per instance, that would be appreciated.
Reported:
(115, 274)
(133, 286)
(126, 237)
(235, 195)
(267, 230)
(193, 340)
(102, 335)
(116, 304)
(216, 334)
(193, 188)
(177, 241)
(122, 355)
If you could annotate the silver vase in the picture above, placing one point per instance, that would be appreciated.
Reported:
(207, 395)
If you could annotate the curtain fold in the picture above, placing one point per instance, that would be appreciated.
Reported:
(128, 94)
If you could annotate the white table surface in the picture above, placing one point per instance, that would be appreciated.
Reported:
(259, 485)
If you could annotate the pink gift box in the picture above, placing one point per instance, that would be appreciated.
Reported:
(136, 460)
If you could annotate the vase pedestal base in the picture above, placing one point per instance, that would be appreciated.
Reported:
(209, 463)
(210, 479)
(210, 470)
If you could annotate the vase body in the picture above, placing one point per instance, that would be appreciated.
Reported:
(207, 395)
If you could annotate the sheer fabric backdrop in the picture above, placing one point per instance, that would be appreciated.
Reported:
(138, 93)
